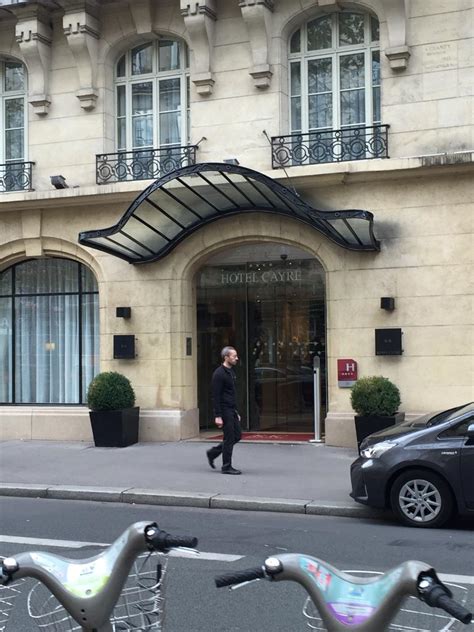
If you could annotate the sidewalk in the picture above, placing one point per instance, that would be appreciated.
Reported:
(296, 478)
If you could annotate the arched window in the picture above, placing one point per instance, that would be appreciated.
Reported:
(334, 68)
(49, 332)
(152, 108)
(12, 125)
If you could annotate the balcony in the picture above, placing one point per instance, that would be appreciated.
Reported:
(143, 164)
(349, 143)
(16, 176)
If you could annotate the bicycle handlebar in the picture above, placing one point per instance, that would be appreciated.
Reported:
(89, 588)
(239, 577)
(365, 604)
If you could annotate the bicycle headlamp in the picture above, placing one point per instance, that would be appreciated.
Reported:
(376, 450)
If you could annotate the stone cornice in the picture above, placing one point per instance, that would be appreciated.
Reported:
(199, 18)
(34, 36)
(82, 30)
(257, 15)
(397, 50)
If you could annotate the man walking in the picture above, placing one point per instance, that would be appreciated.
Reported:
(224, 396)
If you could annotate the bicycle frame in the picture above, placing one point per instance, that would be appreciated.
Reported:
(361, 604)
(88, 589)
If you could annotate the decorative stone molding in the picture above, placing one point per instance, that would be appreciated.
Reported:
(34, 36)
(142, 15)
(199, 19)
(82, 30)
(31, 232)
(397, 51)
(257, 15)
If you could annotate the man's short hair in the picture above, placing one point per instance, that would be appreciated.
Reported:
(225, 352)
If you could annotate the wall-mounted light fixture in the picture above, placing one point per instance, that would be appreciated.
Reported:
(59, 182)
(123, 312)
(388, 303)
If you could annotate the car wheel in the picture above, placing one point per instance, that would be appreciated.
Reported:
(421, 499)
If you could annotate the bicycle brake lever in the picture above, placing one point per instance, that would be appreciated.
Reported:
(250, 581)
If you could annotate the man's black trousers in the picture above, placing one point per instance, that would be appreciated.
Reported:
(232, 435)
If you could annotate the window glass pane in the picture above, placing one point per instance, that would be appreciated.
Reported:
(168, 54)
(90, 339)
(121, 102)
(44, 276)
(142, 131)
(295, 71)
(170, 129)
(14, 76)
(351, 28)
(296, 114)
(352, 107)
(6, 282)
(320, 33)
(6, 340)
(14, 144)
(376, 104)
(319, 75)
(170, 95)
(88, 280)
(320, 111)
(14, 109)
(121, 134)
(352, 71)
(46, 349)
(142, 98)
(121, 66)
(376, 68)
(295, 43)
(142, 59)
(374, 29)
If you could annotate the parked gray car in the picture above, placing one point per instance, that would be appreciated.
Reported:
(422, 469)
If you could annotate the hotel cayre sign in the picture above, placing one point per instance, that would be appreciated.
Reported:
(262, 274)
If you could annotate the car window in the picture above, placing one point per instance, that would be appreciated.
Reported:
(446, 415)
(460, 430)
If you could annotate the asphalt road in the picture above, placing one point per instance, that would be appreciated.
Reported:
(193, 604)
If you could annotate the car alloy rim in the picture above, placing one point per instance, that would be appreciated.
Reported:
(420, 500)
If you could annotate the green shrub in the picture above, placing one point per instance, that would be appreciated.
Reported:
(375, 395)
(110, 391)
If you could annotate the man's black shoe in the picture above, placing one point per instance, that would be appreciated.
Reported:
(210, 459)
(230, 470)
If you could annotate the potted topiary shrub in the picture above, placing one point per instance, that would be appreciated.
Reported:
(113, 414)
(375, 399)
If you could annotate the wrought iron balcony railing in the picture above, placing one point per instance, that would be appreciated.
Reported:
(16, 176)
(349, 143)
(143, 164)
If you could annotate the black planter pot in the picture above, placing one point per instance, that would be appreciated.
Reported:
(115, 428)
(367, 424)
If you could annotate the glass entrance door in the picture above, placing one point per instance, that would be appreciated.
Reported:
(273, 312)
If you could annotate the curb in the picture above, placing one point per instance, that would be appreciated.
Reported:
(135, 495)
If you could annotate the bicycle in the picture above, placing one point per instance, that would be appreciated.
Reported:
(118, 589)
(346, 602)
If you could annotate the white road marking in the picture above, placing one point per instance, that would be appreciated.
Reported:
(72, 544)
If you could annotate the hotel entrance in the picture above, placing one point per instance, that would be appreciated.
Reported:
(268, 301)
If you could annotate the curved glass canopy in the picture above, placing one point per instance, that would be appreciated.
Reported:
(182, 201)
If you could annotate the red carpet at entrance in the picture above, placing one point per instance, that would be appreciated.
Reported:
(271, 436)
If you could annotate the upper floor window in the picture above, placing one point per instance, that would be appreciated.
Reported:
(152, 87)
(12, 94)
(334, 65)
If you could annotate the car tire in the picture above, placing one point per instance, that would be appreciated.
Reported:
(420, 498)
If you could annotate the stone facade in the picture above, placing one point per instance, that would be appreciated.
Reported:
(422, 196)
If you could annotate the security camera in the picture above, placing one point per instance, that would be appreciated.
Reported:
(283, 257)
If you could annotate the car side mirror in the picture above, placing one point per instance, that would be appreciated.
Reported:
(470, 432)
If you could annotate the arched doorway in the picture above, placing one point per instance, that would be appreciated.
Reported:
(267, 300)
